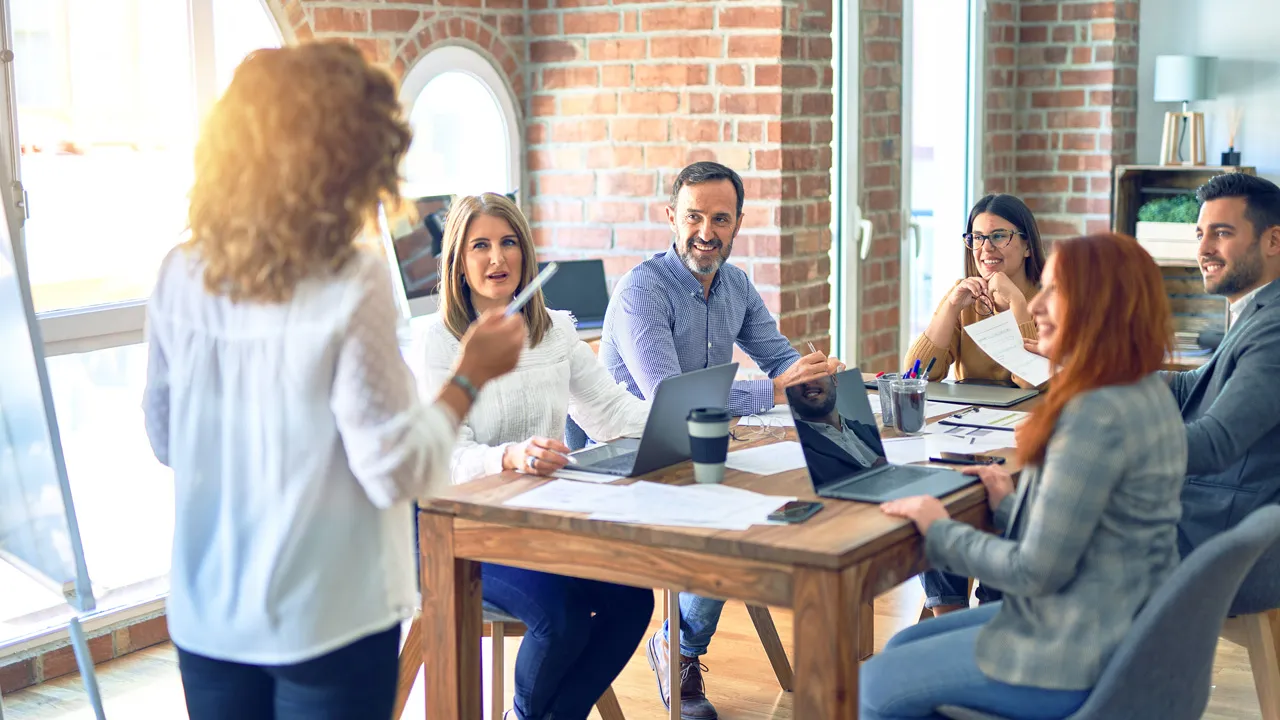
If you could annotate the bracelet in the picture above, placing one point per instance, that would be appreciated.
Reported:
(466, 385)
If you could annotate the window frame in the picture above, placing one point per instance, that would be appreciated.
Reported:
(99, 327)
(460, 58)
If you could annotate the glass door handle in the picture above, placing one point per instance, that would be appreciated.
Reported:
(865, 231)
(915, 236)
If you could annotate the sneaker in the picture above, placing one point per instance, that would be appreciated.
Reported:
(693, 697)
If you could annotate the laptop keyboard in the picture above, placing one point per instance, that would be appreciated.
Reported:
(891, 478)
(620, 464)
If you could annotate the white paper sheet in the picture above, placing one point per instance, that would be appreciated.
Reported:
(779, 416)
(584, 476)
(767, 459)
(974, 439)
(568, 496)
(931, 409)
(999, 337)
(646, 503)
(904, 451)
(990, 418)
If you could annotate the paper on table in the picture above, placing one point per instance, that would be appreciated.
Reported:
(934, 409)
(999, 337)
(779, 416)
(568, 496)
(904, 451)
(584, 476)
(1006, 420)
(767, 459)
(974, 439)
(703, 506)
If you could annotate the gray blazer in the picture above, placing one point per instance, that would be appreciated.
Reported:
(1090, 534)
(1231, 407)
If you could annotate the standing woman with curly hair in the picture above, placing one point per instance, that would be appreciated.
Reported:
(277, 393)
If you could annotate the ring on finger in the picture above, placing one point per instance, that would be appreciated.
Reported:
(531, 461)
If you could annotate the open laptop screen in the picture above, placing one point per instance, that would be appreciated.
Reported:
(579, 286)
(836, 428)
(418, 251)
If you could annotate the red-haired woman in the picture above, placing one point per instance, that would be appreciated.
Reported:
(1090, 532)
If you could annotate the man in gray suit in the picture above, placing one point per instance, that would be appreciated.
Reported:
(1231, 405)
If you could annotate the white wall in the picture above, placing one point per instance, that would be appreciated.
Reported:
(1245, 37)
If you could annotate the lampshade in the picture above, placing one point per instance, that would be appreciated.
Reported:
(1183, 78)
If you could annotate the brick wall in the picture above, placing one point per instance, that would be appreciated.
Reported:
(111, 642)
(1061, 106)
(625, 94)
(880, 155)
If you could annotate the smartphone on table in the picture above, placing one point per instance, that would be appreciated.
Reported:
(796, 511)
(955, 458)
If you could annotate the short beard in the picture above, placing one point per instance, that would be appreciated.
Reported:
(685, 250)
(1241, 276)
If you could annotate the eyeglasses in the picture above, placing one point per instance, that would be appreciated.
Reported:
(758, 427)
(984, 306)
(998, 239)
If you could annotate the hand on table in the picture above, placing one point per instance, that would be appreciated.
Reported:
(997, 481)
(922, 510)
(536, 456)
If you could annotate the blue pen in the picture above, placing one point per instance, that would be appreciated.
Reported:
(915, 370)
(929, 368)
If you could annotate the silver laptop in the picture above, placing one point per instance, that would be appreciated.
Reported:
(842, 447)
(666, 433)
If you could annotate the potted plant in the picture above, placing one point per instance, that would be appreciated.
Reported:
(1167, 227)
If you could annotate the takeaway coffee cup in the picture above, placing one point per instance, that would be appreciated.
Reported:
(708, 443)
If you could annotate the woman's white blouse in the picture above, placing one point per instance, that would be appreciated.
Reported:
(296, 440)
(559, 377)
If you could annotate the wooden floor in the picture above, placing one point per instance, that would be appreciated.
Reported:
(145, 685)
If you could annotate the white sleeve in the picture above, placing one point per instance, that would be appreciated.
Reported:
(155, 398)
(470, 459)
(396, 445)
(603, 408)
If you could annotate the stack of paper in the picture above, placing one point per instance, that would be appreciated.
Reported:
(999, 337)
(717, 507)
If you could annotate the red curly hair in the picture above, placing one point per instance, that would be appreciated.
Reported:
(1116, 329)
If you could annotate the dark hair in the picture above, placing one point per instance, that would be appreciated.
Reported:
(1261, 197)
(707, 171)
(1015, 211)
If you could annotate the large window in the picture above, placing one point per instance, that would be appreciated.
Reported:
(107, 95)
(465, 130)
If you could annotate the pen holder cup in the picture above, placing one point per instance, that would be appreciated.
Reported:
(908, 400)
(884, 384)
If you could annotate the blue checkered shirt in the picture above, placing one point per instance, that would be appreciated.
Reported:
(659, 325)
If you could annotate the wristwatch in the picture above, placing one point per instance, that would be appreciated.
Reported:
(466, 385)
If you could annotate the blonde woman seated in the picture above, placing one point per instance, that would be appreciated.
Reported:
(1002, 272)
(1091, 530)
(580, 632)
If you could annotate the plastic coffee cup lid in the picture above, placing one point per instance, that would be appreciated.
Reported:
(708, 415)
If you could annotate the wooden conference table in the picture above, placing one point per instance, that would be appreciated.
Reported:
(827, 570)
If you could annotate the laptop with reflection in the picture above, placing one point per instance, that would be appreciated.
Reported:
(666, 433)
(842, 447)
(579, 287)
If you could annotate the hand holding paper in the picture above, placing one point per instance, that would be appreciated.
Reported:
(999, 337)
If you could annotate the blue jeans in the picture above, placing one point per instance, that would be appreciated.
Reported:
(581, 633)
(893, 685)
(699, 617)
(575, 438)
(944, 588)
(354, 682)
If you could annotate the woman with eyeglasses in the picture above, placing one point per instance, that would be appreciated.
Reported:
(1002, 272)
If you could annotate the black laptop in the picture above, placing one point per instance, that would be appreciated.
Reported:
(579, 286)
(842, 447)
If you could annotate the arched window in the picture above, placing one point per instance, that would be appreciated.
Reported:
(466, 131)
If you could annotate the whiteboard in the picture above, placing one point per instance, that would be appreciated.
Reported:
(38, 531)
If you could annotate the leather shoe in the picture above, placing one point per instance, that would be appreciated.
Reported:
(693, 698)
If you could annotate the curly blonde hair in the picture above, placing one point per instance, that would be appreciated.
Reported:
(291, 164)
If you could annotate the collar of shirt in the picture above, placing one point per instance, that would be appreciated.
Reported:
(683, 276)
(1242, 304)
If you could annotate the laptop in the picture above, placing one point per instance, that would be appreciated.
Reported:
(666, 433)
(579, 286)
(973, 393)
(416, 251)
(842, 447)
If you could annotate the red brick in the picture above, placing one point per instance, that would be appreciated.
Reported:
(584, 237)
(579, 131)
(751, 103)
(767, 160)
(755, 46)
(608, 211)
(1082, 56)
(615, 76)
(1033, 34)
(710, 46)
(1088, 206)
(1102, 31)
(554, 211)
(642, 238)
(632, 184)
(768, 75)
(1043, 184)
(550, 51)
(545, 24)
(16, 676)
(650, 103)
(1057, 99)
(340, 20)
(570, 77)
(1088, 77)
(147, 633)
(1088, 11)
(604, 50)
(677, 18)
(589, 104)
(666, 156)
(591, 23)
(1064, 34)
(1085, 120)
(700, 103)
(615, 265)
(569, 184)
(698, 131)
(670, 75)
(641, 130)
(1057, 228)
(1043, 12)
(730, 75)
(614, 157)
(769, 18)
(399, 21)
(824, 104)
(799, 76)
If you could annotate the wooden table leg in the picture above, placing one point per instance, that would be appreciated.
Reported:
(451, 621)
(829, 609)
(673, 652)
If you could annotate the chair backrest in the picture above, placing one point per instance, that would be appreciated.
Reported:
(1164, 666)
(1260, 590)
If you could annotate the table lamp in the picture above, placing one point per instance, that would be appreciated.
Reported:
(1184, 79)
